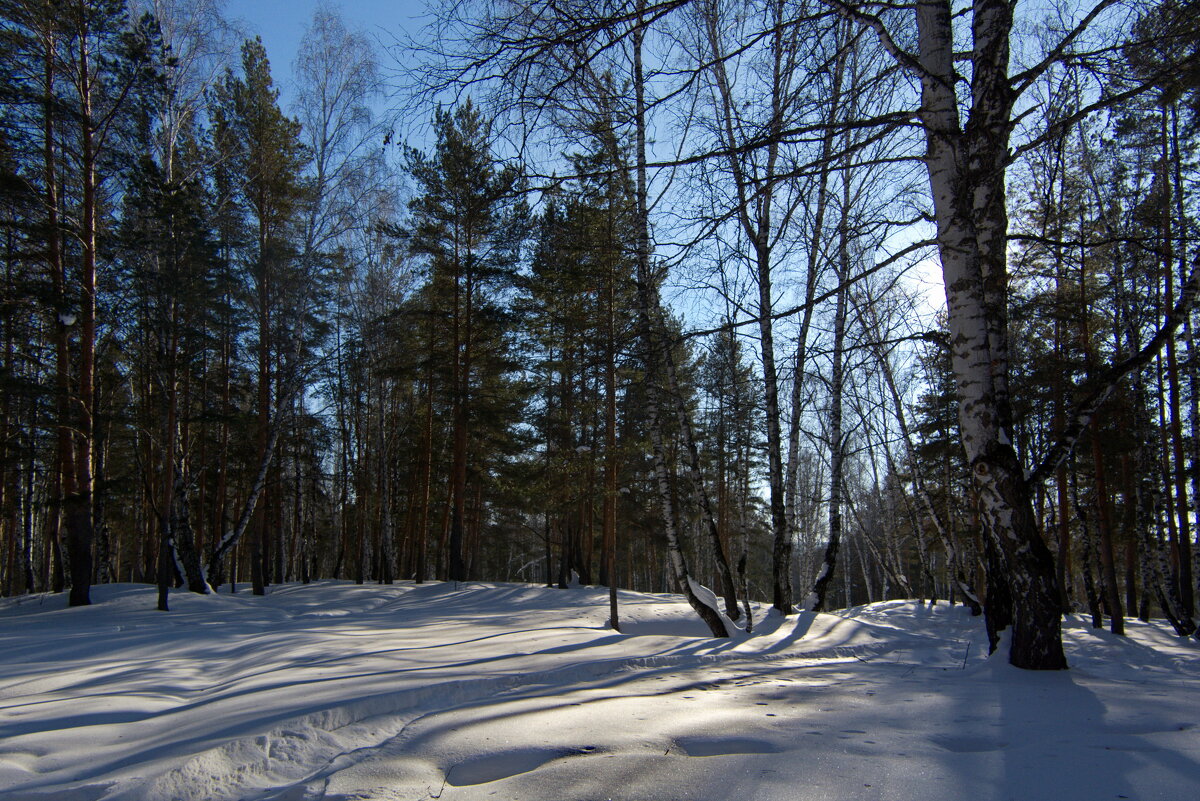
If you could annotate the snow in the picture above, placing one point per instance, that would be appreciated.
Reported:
(472, 691)
(709, 598)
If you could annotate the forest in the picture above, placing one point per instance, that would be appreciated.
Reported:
(814, 302)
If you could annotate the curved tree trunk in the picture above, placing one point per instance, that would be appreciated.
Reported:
(654, 347)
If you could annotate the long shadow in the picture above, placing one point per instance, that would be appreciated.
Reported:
(235, 728)
(1050, 736)
(485, 604)
(215, 694)
(426, 610)
(1130, 650)
(480, 712)
(804, 621)
(613, 682)
(1043, 712)
(235, 636)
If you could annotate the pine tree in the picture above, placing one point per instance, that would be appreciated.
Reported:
(266, 161)
(468, 224)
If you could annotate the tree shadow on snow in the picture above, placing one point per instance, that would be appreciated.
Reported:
(1053, 736)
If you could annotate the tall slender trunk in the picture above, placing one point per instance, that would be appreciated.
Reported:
(1108, 573)
(791, 489)
(220, 510)
(816, 601)
(424, 478)
(63, 474)
(1060, 401)
(1157, 581)
(458, 464)
(813, 270)
(1064, 536)
(1179, 472)
(170, 434)
(387, 534)
(755, 198)
(10, 474)
(343, 422)
(264, 299)
(79, 504)
(781, 555)
(611, 457)
(1189, 335)
(1129, 527)
(1087, 545)
(28, 520)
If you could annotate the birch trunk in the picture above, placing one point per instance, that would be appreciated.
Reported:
(816, 600)
(654, 347)
(756, 191)
(187, 560)
(709, 520)
(232, 536)
(966, 170)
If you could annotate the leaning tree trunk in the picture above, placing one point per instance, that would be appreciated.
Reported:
(729, 590)
(953, 558)
(231, 537)
(654, 347)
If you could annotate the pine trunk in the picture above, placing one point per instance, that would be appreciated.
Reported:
(80, 503)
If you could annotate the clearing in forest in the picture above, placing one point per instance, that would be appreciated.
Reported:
(503, 691)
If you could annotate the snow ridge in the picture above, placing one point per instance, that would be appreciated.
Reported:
(309, 746)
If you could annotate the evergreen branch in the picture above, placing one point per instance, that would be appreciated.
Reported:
(1085, 410)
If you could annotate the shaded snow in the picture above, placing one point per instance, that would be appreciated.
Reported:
(336, 691)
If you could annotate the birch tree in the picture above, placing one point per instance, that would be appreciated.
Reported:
(968, 111)
(764, 203)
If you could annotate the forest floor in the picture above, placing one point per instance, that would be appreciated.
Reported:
(503, 691)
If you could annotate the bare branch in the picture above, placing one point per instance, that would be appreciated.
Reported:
(821, 298)
(1023, 80)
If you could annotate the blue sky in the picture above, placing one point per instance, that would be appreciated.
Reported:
(281, 24)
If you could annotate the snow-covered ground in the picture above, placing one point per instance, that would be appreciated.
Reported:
(336, 691)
